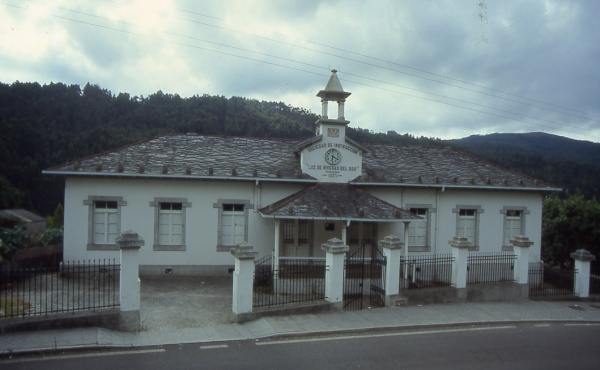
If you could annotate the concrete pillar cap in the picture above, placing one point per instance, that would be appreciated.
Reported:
(459, 242)
(391, 242)
(243, 251)
(583, 255)
(129, 240)
(521, 241)
(335, 245)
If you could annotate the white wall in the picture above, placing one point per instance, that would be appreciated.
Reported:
(138, 215)
(202, 217)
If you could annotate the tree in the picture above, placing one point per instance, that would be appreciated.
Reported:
(568, 225)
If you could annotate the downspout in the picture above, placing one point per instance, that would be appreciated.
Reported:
(257, 199)
(276, 245)
(344, 231)
(437, 210)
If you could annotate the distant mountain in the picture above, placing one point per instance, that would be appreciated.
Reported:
(570, 164)
(547, 145)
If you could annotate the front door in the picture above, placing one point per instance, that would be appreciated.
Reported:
(362, 234)
(296, 238)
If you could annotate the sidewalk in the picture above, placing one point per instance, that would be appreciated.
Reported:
(331, 322)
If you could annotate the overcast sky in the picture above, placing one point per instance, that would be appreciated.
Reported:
(444, 69)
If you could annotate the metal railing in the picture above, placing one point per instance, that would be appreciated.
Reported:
(426, 271)
(490, 267)
(594, 284)
(292, 280)
(547, 281)
(72, 287)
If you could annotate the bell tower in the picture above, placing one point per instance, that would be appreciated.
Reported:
(330, 156)
(335, 93)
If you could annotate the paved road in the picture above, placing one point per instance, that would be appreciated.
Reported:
(545, 346)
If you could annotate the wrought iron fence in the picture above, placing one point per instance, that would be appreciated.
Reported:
(74, 286)
(595, 277)
(546, 281)
(594, 284)
(426, 271)
(490, 267)
(291, 280)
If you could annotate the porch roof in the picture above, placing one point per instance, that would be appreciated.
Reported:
(335, 202)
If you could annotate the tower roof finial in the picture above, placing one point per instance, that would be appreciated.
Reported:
(333, 90)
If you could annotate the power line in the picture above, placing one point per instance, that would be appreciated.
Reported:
(393, 70)
(301, 70)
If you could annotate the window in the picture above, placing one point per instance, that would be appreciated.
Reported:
(169, 223)
(233, 223)
(104, 221)
(514, 224)
(467, 224)
(418, 230)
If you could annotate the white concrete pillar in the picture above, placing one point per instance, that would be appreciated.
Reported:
(405, 282)
(324, 109)
(276, 251)
(335, 251)
(521, 246)
(460, 252)
(582, 258)
(392, 250)
(341, 109)
(129, 283)
(243, 278)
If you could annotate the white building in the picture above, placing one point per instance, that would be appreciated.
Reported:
(193, 197)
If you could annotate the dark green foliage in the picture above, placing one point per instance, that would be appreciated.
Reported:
(12, 238)
(44, 126)
(569, 164)
(568, 225)
(56, 221)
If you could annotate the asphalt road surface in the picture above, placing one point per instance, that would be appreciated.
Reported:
(559, 346)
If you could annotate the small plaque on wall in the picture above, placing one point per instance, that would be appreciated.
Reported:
(329, 226)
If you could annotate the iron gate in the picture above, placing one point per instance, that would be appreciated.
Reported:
(354, 275)
(377, 277)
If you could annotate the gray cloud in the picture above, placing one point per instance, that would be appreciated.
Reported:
(443, 68)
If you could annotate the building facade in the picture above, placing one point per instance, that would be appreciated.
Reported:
(194, 197)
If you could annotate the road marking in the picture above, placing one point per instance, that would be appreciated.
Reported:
(84, 355)
(383, 335)
(582, 324)
(215, 346)
(541, 325)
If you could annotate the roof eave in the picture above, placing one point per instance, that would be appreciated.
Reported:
(454, 186)
(337, 218)
(179, 177)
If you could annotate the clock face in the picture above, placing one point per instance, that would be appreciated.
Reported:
(333, 157)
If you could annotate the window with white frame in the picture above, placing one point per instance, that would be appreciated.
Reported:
(417, 229)
(467, 224)
(514, 224)
(104, 221)
(169, 223)
(233, 223)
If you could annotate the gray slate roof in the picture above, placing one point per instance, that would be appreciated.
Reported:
(335, 201)
(240, 158)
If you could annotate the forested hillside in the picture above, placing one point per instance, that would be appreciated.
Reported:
(42, 126)
(571, 164)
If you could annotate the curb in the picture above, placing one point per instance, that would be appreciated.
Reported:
(280, 336)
